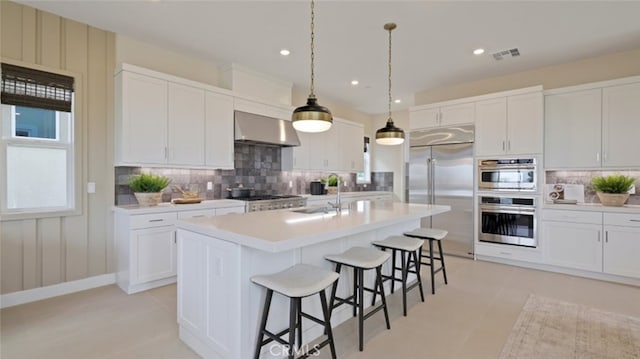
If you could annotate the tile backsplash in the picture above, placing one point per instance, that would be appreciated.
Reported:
(584, 178)
(256, 167)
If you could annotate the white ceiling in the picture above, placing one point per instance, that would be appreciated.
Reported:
(431, 47)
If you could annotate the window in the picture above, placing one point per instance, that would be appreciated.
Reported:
(36, 141)
(365, 177)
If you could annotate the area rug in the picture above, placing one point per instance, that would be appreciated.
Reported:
(548, 328)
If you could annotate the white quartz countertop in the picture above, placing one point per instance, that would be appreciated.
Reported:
(170, 207)
(346, 194)
(281, 230)
(593, 207)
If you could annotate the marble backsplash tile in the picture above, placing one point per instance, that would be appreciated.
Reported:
(584, 178)
(256, 167)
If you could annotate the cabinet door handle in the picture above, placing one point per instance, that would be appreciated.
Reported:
(606, 237)
(509, 145)
(503, 148)
(634, 220)
(598, 236)
(156, 220)
(200, 215)
(597, 156)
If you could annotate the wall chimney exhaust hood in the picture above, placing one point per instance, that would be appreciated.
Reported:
(258, 129)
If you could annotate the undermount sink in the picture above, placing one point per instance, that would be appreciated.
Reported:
(311, 210)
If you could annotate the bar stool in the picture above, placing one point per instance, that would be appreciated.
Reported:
(409, 263)
(360, 259)
(296, 282)
(432, 234)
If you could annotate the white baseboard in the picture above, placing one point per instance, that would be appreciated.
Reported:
(32, 295)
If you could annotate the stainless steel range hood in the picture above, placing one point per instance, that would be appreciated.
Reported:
(258, 129)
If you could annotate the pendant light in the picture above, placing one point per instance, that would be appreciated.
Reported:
(312, 117)
(389, 134)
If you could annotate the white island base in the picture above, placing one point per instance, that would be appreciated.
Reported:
(219, 307)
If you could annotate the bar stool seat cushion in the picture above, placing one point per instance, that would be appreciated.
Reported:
(361, 257)
(300, 280)
(400, 242)
(434, 233)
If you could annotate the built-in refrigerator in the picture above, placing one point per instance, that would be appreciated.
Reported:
(440, 171)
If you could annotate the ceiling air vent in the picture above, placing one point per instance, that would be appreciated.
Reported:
(506, 53)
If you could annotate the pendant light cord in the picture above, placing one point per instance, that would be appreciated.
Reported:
(389, 119)
(311, 89)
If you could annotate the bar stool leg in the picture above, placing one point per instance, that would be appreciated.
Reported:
(355, 290)
(418, 275)
(263, 323)
(334, 288)
(433, 275)
(299, 324)
(327, 323)
(393, 269)
(384, 301)
(444, 271)
(405, 273)
(293, 316)
(361, 306)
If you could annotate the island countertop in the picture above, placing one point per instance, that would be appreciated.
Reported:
(282, 230)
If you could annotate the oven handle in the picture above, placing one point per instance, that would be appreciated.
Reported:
(507, 209)
(519, 167)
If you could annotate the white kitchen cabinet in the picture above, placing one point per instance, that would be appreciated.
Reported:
(145, 250)
(324, 149)
(573, 245)
(573, 129)
(593, 125)
(219, 131)
(145, 244)
(141, 126)
(186, 122)
(299, 155)
(351, 142)
(622, 244)
(621, 125)
(509, 125)
(259, 108)
(441, 115)
(169, 121)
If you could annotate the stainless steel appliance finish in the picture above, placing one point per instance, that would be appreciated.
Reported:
(266, 203)
(258, 129)
(508, 220)
(440, 171)
(516, 174)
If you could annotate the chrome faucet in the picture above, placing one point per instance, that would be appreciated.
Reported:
(338, 205)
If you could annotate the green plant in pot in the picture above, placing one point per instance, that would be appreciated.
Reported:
(613, 190)
(331, 183)
(148, 188)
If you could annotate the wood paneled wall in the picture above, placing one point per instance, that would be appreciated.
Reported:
(45, 251)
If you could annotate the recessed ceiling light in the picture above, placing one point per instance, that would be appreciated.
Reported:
(284, 52)
(354, 82)
(397, 100)
(478, 51)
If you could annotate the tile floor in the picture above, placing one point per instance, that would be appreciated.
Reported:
(469, 318)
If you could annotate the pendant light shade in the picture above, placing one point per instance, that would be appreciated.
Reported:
(390, 134)
(312, 117)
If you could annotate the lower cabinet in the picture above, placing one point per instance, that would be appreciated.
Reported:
(594, 241)
(146, 249)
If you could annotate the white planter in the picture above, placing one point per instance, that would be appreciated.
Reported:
(613, 199)
(148, 199)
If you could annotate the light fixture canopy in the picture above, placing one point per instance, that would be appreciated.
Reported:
(390, 134)
(312, 117)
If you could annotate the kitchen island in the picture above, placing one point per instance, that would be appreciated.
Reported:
(218, 305)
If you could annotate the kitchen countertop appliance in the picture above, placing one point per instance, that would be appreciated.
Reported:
(271, 202)
(440, 171)
(513, 174)
(508, 220)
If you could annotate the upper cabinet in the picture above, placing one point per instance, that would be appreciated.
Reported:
(165, 120)
(593, 126)
(510, 125)
(439, 115)
(341, 148)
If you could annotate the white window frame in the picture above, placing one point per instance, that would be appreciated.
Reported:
(74, 156)
(365, 176)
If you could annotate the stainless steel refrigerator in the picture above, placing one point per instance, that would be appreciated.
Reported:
(440, 171)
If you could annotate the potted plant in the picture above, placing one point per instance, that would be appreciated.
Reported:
(148, 188)
(613, 190)
(331, 183)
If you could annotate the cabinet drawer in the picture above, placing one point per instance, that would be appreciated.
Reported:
(227, 210)
(571, 216)
(153, 220)
(622, 219)
(509, 252)
(197, 213)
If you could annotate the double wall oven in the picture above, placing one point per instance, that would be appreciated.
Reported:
(507, 201)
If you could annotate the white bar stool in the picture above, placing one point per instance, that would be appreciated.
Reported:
(297, 282)
(360, 259)
(432, 234)
(409, 263)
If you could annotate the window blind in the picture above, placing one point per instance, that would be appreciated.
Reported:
(22, 86)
